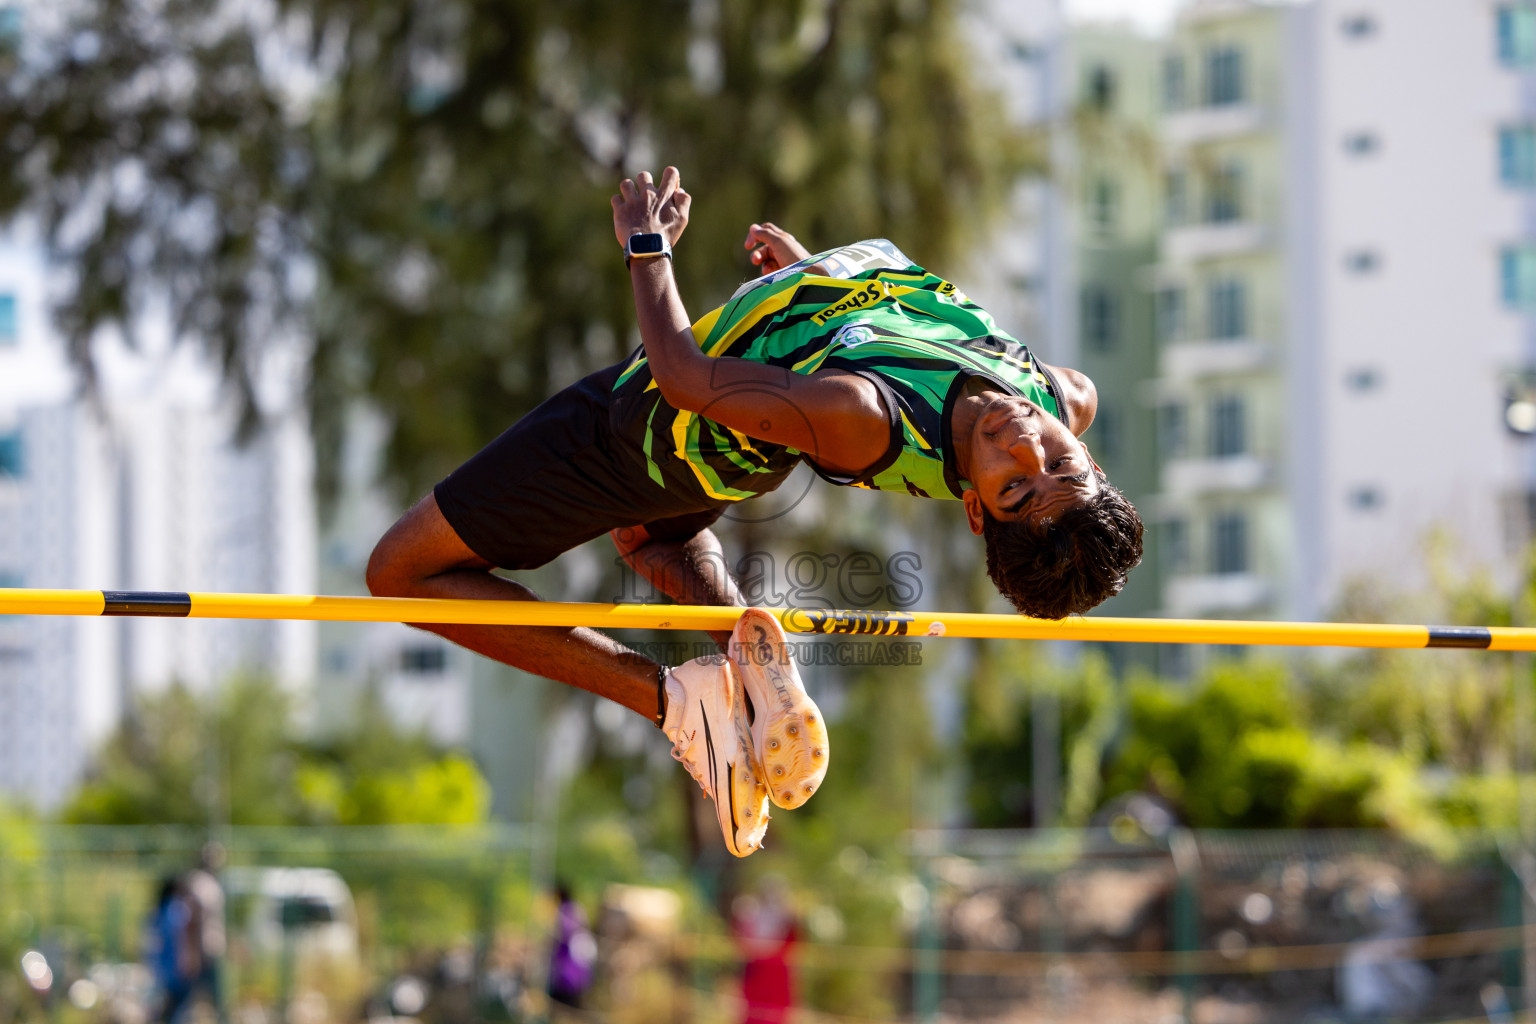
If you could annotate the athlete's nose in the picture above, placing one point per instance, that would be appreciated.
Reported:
(1029, 452)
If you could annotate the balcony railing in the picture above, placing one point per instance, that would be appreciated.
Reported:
(1190, 360)
(1188, 597)
(1209, 240)
(1220, 475)
(1194, 125)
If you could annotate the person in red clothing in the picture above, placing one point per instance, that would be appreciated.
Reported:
(766, 934)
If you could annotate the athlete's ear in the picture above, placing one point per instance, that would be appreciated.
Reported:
(975, 513)
(1086, 452)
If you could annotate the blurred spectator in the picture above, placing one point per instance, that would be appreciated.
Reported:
(205, 900)
(574, 951)
(1379, 977)
(167, 950)
(765, 934)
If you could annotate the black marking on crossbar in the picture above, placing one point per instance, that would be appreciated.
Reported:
(1475, 637)
(159, 603)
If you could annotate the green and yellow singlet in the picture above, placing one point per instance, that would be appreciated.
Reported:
(864, 308)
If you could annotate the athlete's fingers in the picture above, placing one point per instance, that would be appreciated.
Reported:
(759, 234)
(616, 201)
(643, 178)
(627, 189)
(683, 201)
(671, 181)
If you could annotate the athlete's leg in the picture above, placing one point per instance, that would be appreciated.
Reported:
(788, 730)
(691, 570)
(422, 556)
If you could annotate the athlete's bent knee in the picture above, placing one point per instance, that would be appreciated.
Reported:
(382, 575)
(629, 539)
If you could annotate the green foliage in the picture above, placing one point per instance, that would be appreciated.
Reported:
(1177, 737)
(1364, 743)
(183, 760)
(233, 758)
(422, 188)
(999, 737)
(1486, 801)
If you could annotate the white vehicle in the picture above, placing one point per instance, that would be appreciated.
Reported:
(306, 912)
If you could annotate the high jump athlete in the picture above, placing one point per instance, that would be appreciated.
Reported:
(868, 368)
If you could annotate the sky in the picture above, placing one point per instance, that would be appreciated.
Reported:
(1149, 14)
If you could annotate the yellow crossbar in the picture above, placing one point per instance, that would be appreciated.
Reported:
(797, 620)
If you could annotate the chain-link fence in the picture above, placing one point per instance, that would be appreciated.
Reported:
(321, 924)
(1100, 925)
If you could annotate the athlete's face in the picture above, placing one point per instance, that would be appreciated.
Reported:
(1025, 464)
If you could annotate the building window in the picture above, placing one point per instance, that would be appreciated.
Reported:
(1517, 276)
(1173, 82)
(11, 579)
(1175, 197)
(1228, 429)
(1175, 546)
(1361, 143)
(1229, 309)
(1517, 34)
(1229, 548)
(1517, 156)
(1105, 206)
(1361, 26)
(423, 659)
(1223, 76)
(1362, 379)
(1170, 315)
(1107, 434)
(1365, 499)
(1023, 52)
(1101, 89)
(1173, 430)
(1362, 261)
(9, 328)
(12, 463)
(1101, 318)
(1225, 202)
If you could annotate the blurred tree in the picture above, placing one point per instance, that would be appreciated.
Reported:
(233, 758)
(999, 733)
(421, 187)
(1237, 749)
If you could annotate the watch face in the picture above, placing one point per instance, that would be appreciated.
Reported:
(647, 244)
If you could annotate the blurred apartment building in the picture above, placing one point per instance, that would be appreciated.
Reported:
(1298, 248)
(145, 490)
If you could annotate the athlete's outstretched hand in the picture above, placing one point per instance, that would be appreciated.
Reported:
(643, 207)
(773, 248)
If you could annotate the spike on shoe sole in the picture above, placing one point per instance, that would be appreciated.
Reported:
(788, 732)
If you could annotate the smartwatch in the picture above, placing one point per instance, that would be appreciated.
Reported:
(646, 245)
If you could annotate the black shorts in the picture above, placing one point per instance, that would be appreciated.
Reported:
(559, 477)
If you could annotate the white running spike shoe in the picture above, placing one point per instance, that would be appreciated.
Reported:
(707, 724)
(788, 732)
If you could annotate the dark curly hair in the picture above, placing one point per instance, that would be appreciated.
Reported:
(1069, 564)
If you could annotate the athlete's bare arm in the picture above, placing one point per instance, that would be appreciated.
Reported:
(1079, 396)
(837, 418)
